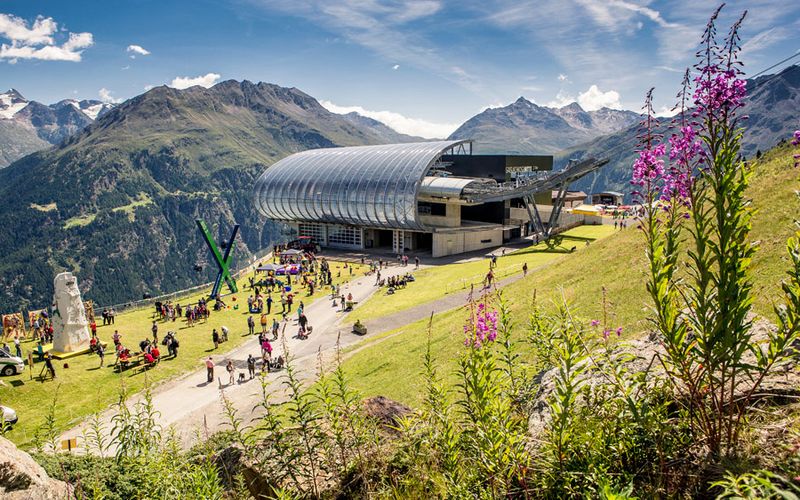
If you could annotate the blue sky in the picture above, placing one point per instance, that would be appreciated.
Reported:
(423, 66)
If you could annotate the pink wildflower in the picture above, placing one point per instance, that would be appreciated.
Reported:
(481, 327)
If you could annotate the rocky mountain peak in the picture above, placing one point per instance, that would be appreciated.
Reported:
(11, 102)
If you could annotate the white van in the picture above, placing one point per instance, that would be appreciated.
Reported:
(10, 365)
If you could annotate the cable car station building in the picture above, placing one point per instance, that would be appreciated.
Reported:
(425, 196)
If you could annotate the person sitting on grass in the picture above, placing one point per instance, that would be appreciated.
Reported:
(155, 353)
(148, 358)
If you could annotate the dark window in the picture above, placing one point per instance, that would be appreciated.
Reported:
(486, 241)
(427, 208)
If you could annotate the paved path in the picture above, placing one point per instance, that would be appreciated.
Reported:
(190, 402)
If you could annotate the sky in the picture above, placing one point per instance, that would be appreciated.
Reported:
(421, 66)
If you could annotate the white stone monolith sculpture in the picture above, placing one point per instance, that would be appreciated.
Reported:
(70, 327)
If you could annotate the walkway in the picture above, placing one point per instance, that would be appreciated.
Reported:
(189, 403)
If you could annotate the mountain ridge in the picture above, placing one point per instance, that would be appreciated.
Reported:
(524, 127)
(116, 202)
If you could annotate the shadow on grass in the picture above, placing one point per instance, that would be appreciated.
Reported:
(562, 248)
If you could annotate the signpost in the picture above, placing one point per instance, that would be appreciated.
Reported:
(68, 444)
(223, 260)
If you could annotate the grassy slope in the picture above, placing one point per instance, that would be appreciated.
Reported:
(390, 364)
(84, 388)
(435, 282)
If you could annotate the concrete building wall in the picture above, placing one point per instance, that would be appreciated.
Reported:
(452, 217)
(465, 241)
(564, 219)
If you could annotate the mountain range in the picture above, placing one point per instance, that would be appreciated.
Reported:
(28, 126)
(116, 201)
(769, 116)
(523, 127)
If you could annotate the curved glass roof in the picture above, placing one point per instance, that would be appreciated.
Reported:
(374, 186)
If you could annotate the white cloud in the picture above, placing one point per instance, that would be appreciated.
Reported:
(651, 14)
(39, 41)
(492, 106)
(105, 96)
(561, 100)
(184, 82)
(148, 87)
(764, 39)
(386, 28)
(396, 67)
(138, 49)
(562, 77)
(591, 100)
(667, 111)
(16, 29)
(124, 68)
(594, 99)
(669, 69)
(398, 122)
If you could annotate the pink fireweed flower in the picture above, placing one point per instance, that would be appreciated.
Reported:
(595, 322)
(481, 327)
(718, 89)
(796, 140)
(648, 168)
(606, 334)
(619, 331)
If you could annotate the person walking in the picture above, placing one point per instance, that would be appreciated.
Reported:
(210, 369)
(251, 325)
(275, 327)
(525, 269)
(174, 344)
(251, 365)
(17, 346)
(101, 352)
(215, 338)
(269, 303)
(416, 262)
(231, 370)
(154, 329)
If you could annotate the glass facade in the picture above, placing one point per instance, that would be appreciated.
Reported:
(344, 236)
(365, 186)
(316, 231)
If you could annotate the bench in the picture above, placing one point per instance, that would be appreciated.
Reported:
(132, 360)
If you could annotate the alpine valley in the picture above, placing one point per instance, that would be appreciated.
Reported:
(111, 192)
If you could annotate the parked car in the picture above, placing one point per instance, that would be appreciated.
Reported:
(9, 365)
(9, 415)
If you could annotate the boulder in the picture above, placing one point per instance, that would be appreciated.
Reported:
(780, 385)
(22, 478)
(385, 411)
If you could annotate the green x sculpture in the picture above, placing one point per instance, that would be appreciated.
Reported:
(223, 261)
